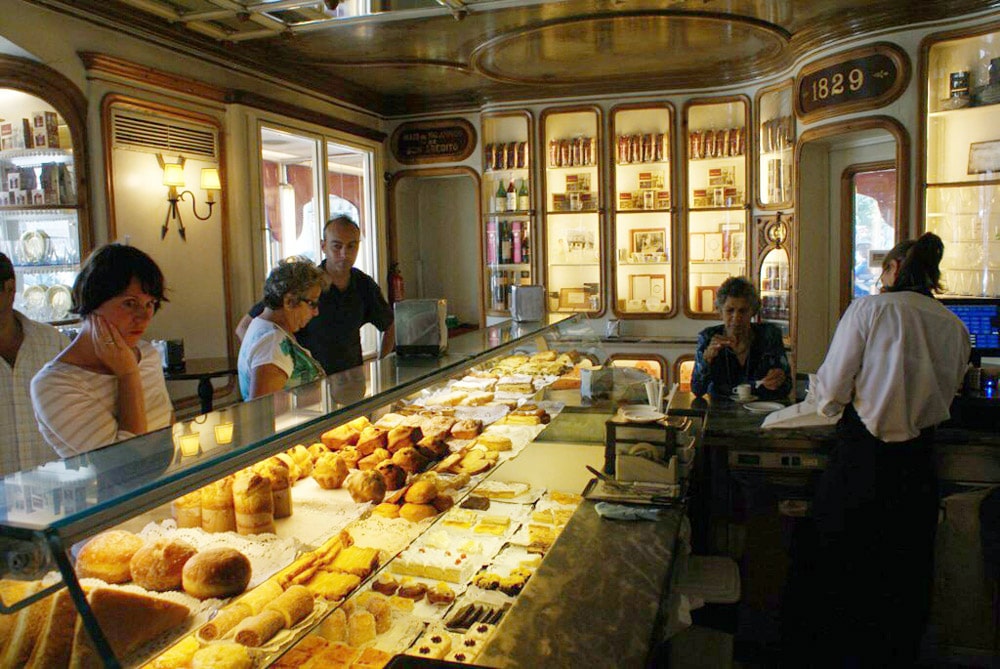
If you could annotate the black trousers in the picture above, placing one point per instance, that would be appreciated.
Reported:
(859, 587)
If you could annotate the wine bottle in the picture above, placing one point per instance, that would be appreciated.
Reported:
(523, 197)
(511, 197)
(516, 242)
(492, 243)
(500, 199)
(525, 244)
(505, 242)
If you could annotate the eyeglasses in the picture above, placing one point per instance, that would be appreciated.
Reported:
(314, 304)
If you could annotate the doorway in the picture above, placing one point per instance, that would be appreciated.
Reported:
(431, 236)
(825, 158)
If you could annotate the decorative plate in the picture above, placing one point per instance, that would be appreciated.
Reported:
(60, 301)
(642, 414)
(34, 246)
(763, 407)
(34, 301)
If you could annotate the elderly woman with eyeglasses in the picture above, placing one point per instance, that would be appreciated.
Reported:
(107, 385)
(270, 357)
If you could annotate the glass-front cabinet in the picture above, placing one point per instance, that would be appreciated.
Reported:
(962, 171)
(776, 146)
(507, 202)
(772, 253)
(718, 181)
(572, 182)
(40, 227)
(643, 284)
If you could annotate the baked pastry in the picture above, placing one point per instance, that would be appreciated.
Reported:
(443, 502)
(225, 655)
(186, 510)
(334, 626)
(337, 655)
(434, 643)
(277, 474)
(478, 398)
(294, 605)
(294, 471)
(254, 503)
(386, 510)
(367, 486)
(402, 436)
(360, 628)
(372, 437)
(317, 449)
(494, 442)
(224, 620)
(332, 585)
(378, 605)
(410, 459)
(389, 420)
(417, 512)
(372, 460)
(18, 631)
(217, 511)
(257, 630)
(107, 556)
(433, 447)
(386, 584)
(357, 560)
(411, 589)
(437, 426)
(467, 428)
(393, 475)
(158, 565)
(301, 653)
(216, 572)
(400, 603)
(448, 399)
(258, 598)
(421, 492)
(302, 458)
(476, 502)
(340, 436)
(371, 658)
(54, 643)
(440, 593)
(179, 655)
(350, 456)
(330, 471)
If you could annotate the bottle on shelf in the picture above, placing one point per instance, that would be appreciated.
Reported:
(525, 278)
(525, 244)
(511, 202)
(500, 199)
(516, 241)
(505, 242)
(492, 243)
(523, 197)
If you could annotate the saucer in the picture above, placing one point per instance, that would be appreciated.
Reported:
(642, 414)
(752, 398)
(763, 407)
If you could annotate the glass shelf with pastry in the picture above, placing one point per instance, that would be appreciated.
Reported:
(508, 193)
(203, 512)
(776, 146)
(574, 245)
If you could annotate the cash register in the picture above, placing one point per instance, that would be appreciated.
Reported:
(979, 403)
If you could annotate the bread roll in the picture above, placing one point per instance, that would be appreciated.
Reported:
(277, 474)
(417, 512)
(217, 511)
(107, 556)
(257, 630)
(421, 492)
(393, 475)
(294, 605)
(225, 655)
(158, 565)
(265, 593)
(186, 510)
(360, 628)
(334, 627)
(216, 572)
(367, 486)
(330, 471)
(254, 503)
(224, 620)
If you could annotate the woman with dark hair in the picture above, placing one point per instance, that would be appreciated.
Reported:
(740, 351)
(108, 384)
(270, 357)
(859, 590)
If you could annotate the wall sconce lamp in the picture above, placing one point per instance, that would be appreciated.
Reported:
(173, 179)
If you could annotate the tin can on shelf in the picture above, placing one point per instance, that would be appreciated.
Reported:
(659, 148)
(565, 153)
(488, 155)
(554, 153)
(522, 155)
(959, 84)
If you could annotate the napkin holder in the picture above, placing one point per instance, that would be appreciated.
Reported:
(641, 468)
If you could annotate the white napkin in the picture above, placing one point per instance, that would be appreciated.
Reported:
(803, 414)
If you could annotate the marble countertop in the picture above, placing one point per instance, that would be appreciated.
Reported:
(595, 598)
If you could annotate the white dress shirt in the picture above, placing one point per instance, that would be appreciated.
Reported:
(899, 357)
(22, 444)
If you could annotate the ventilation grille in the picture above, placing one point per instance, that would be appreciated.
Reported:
(138, 132)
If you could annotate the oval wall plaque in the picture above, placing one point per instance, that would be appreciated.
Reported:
(851, 81)
(443, 141)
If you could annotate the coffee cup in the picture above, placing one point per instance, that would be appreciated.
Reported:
(743, 391)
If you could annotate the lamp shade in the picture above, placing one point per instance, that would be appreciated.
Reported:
(210, 179)
(173, 175)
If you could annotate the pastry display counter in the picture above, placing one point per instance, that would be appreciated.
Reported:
(133, 488)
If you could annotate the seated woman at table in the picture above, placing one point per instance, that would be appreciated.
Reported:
(270, 357)
(107, 385)
(740, 351)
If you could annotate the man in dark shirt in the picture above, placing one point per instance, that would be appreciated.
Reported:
(352, 299)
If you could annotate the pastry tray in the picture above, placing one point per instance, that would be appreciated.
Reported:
(599, 491)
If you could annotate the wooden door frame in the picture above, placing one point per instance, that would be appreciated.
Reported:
(847, 223)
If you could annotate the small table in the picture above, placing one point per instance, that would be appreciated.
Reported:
(202, 370)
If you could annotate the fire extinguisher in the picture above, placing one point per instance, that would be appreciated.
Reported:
(397, 289)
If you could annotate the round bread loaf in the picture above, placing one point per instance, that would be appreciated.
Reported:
(107, 556)
(216, 572)
(158, 565)
(222, 655)
(366, 486)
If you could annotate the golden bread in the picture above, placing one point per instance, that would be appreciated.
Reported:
(157, 565)
(357, 560)
(258, 598)
(178, 655)
(294, 605)
(224, 655)
(224, 620)
(333, 585)
(257, 630)
(54, 644)
(107, 556)
(330, 471)
(216, 572)
(417, 512)
(186, 510)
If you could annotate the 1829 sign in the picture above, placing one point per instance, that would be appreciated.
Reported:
(441, 141)
(851, 81)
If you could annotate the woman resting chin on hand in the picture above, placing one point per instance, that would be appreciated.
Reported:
(108, 384)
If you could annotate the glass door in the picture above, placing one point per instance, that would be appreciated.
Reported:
(573, 241)
(717, 189)
(643, 227)
(776, 147)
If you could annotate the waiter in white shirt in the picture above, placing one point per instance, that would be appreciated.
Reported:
(859, 589)
(25, 347)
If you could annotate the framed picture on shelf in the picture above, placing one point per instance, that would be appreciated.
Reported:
(573, 298)
(984, 157)
(737, 245)
(649, 240)
(713, 246)
(696, 246)
(705, 298)
(651, 287)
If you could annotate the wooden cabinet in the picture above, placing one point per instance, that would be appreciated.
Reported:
(772, 269)
(775, 147)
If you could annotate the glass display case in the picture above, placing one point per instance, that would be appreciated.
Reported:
(772, 253)
(574, 245)
(508, 192)
(130, 484)
(776, 146)
(962, 159)
(39, 211)
(718, 181)
(643, 285)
